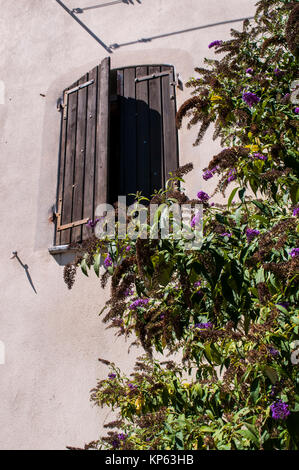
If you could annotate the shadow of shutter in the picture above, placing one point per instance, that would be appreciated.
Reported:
(83, 160)
(148, 148)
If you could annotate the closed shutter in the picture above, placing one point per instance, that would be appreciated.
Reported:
(83, 165)
(148, 146)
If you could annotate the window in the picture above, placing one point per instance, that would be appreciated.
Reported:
(118, 136)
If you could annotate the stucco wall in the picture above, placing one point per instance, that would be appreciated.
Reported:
(53, 337)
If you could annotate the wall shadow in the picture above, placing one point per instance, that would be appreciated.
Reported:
(113, 46)
(108, 4)
(83, 25)
(182, 31)
(136, 153)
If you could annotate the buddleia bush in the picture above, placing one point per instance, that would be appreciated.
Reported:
(229, 311)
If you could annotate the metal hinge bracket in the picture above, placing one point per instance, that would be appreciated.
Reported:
(153, 75)
(63, 101)
(60, 227)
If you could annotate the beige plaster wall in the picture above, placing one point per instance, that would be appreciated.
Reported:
(53, 337)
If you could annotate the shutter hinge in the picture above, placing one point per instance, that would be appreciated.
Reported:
(63, 100)
(60, 227)
(178, 82)
(153, 75)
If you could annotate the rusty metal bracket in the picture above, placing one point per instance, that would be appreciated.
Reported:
(62, 102)
(60, 227)
(153, 75)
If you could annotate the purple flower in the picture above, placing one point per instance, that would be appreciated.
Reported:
(204, 326)
(128, 292)
(215, 43)
(111, 376)
(202, 196)
(92, 223)
(296, 211)
(294, 252)
(250, 98)
(280, 410)
(122, 436)
(274, 352)
(208, 174)
(195, 220)
(249, 70)
(260, 156)
(296, 110)
(232, 175)
(138, 303)
(108, 261)
(278, 72)
(286, 97)
(162, 316)
(251, 233)
(197, 284)
(115, 443)
(128, 248)
(225, 234)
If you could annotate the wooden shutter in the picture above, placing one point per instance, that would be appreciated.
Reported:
(148, 143)
(83, 164)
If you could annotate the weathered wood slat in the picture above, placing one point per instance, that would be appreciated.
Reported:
(62, 149)
(121, 157)
(143, 136)
(89, 176)
(129, 144)
(102, 136)
(156, 135)
(77, 213)
(169, 129)
(66, 216)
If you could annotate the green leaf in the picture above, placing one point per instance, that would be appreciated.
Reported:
(255, 390)
(179, 440)
(294, 193)
(97, 262)
(84, 267)
(242, 194)
(231, 197)
(271, 373)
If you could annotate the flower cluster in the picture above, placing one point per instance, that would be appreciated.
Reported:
(202, 196)
(280, 410)
(138, 303)
(208, 174)
(195, 220)
(215, 43)
(250, 98)
(108, 261)
(296, 211)
(274, 352)
(203, 326)
(294, 252)
(259, 156)
(232, 175)
(92, 223)
(251, 233)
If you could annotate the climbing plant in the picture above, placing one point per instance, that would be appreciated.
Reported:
(229, 310)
